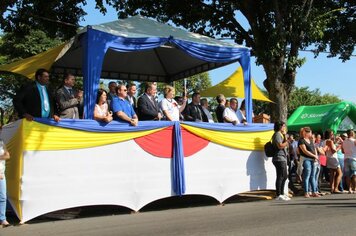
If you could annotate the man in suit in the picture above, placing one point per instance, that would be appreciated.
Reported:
(69, 100)
(131, 92)
(147, 106)
(34, 99)
(194, 111)
(112, 93)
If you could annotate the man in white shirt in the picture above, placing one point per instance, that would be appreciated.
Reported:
(229, 114)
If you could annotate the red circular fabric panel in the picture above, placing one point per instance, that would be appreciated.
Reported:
(192, 143)
(160, 143)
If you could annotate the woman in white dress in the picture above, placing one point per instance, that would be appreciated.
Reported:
(101, 110)
(169, 107)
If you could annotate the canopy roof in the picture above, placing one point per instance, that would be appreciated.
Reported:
(233, 86)
(338, 117)
(164, 63)
(136, 48)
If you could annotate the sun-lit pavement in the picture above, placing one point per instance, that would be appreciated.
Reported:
(328, 215)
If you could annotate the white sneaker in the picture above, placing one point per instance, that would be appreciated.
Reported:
(280, 198)
(286, 198)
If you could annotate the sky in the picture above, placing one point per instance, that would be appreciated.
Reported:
(330, 75)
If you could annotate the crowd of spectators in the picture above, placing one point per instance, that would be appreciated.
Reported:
(312, 159)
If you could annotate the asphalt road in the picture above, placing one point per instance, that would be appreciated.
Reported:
(328, 215)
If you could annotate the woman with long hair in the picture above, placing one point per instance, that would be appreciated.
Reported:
(279, 160)
(308, 153)
(332, 161)
(101, 110)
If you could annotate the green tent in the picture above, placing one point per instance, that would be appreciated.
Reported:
(338, 117)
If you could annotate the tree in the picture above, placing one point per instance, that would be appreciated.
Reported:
(277, 31)
(195, 83)
(305, 97)
(12, 49)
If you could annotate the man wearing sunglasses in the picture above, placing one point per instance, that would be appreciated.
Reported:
(122, 109)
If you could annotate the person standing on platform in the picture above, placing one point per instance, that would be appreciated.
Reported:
(194, 111)
(147, 106)
(220, 108)
(279, 160)
(69, 100)
(229, 114)
(112, 93)
(169, 106)
(35, 100)
(205, 105)
(101, 110)
(122, 109)
(131, 92)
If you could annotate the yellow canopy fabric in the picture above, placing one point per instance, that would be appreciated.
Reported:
(233, 86)
(28, 66)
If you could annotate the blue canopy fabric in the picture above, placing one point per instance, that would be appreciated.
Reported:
(228, 127)
(96, 44)
(102, 127)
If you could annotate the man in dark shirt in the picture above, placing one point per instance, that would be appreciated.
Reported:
(147, 106)
(131, 92)
(194, 111)
(220, 108)
(35, 100)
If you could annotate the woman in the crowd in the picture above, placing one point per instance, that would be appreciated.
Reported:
(101, 110)
(4, 155)
(170, 108)
(332, 161)
(317, 144)
(241, 113)
(309, 154)
(340, 156)
(279, 160)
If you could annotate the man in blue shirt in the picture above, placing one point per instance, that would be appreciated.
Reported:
(122, 109)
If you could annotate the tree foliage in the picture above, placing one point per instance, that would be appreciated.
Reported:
(276, 32)
(300, 96)
(303, 96)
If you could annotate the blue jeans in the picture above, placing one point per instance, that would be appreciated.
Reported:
(309, 175)
(2, 199)
(316, 177)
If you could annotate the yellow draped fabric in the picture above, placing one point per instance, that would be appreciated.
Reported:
(233, 86)
(240, 140)
(41, 137)
(28, 66)
(34, 136)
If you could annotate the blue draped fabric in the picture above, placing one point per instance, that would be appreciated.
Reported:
(246, 67)
(178, 175)
(113, 127)
(228, 127)
(211, 53)
(96, 43)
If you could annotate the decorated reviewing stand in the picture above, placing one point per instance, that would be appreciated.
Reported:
(76, 163)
